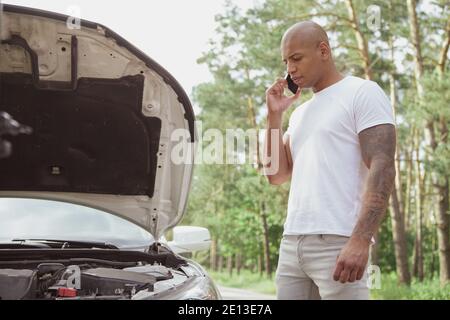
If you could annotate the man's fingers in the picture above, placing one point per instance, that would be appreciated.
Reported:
(277, 88)
(274, 89)
(282, 81)
(280, 87)
(338, 270)
(353, 275)
(360, 274)
(345, 274)
(296, 95)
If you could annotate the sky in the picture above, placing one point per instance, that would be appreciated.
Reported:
(174, 33)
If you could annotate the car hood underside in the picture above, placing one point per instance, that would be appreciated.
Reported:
(102, 115)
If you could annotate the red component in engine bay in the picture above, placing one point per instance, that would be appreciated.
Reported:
(67, 292)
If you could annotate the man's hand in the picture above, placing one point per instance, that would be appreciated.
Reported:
(352, 260)
(277, 102)
(277, 155)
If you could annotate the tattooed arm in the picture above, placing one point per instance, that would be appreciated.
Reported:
(378, 152)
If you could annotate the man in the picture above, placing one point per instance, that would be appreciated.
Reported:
(339, 153)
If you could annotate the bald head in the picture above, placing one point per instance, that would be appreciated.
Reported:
(306, 33)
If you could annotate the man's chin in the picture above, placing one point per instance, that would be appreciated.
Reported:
(303, 84)
(306, 86)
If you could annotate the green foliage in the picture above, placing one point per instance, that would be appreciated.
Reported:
(386, 247)
(387, 254)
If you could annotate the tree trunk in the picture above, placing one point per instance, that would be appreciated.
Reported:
(230, 265)
(409, 170)
(443, 217)
(415, 40)
(399, 236)
(220, 262)
(213, 255)
(266, 242)
(443, 224)
(360, 39)
(434, 250)
(397, 206)
(444, 49)
(419, 217)
(260, 265)
(238, 263)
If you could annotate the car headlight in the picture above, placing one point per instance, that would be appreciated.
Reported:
(198, 288)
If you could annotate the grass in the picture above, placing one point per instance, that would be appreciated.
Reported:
(245, 280)
(429, 289)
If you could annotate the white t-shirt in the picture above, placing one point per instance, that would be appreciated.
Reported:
(329, 175)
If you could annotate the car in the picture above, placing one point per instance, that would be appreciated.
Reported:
(89, 194)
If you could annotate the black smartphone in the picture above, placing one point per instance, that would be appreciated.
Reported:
(291, 84)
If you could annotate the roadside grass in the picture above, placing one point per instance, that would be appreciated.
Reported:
(245, 280)
(429, 289)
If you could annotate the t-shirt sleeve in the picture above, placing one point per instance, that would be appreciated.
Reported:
(371, 107)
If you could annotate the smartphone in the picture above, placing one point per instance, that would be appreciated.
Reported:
(291, 84)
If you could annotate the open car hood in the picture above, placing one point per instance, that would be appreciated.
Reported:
(102, 115)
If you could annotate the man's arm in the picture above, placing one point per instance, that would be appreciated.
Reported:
(278, 164)
(378, 153)
(277, 155)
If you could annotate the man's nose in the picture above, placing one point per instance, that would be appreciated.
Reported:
(290, 68)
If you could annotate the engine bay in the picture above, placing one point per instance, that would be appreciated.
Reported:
(86, 278)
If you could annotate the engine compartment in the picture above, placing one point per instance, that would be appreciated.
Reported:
(55, 281)
(80, 274)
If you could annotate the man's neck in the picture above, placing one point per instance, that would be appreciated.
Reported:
(327, 81)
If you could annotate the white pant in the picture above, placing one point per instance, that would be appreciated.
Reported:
(305, 270)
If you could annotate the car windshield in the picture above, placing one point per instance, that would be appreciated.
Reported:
(54, 220)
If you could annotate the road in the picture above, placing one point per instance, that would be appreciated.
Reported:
(241, 294)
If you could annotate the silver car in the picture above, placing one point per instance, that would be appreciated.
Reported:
(87, 195)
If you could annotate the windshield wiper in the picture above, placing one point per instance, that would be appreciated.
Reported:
(66, 244)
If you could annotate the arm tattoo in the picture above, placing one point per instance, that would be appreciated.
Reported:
(378, 153)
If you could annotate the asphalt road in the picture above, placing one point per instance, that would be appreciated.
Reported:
(241, 294)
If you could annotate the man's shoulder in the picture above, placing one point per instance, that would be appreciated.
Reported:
(356, 82)
(359, 88)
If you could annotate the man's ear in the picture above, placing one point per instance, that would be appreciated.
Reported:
(324, 50)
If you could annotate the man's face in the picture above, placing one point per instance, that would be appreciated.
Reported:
(303, 62)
